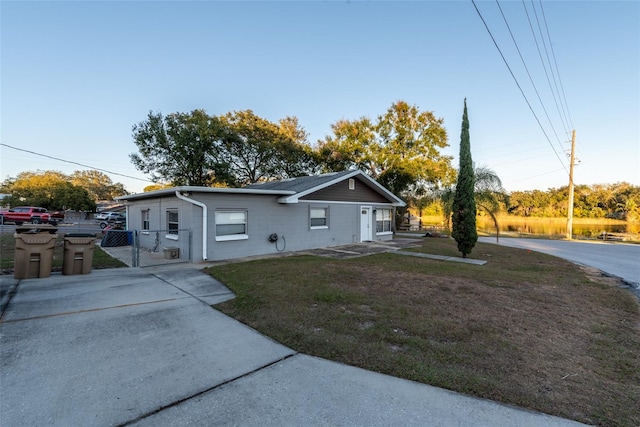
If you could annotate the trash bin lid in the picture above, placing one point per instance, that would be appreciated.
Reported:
(36, 228)
(79, 235)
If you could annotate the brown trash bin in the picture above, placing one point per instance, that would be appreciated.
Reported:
(78, 253)
(34, 251)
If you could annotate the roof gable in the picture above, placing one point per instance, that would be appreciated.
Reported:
(300, 184)
(306, 187)
(345, 191)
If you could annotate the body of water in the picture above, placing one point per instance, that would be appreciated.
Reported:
(551, 227)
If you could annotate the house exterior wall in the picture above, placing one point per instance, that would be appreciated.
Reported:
(291, 222)
(189, 219)
(341, 192)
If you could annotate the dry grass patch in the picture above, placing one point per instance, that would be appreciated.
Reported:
(526, 329)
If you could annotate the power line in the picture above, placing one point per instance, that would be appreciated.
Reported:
(510, 162)
(509, 153)
(535, 176)
(544, 67)
(546, 52)
(497, 147)
(75, 163)
(518, 84)
(553, 54)
(528, 73)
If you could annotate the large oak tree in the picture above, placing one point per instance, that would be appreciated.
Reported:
(52, 190)
(181, 148)
(259, 150)
(232, 150)
(401, 149)
(98, 184)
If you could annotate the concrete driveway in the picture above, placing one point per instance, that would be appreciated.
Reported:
(143, 347)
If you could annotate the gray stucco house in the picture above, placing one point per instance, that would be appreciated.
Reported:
(288, 215)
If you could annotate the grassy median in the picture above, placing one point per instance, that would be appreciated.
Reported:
(526, 328)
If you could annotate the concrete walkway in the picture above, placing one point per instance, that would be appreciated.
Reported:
(442, 257)
(143, 347)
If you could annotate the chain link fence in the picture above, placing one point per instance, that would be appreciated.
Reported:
(146, 248)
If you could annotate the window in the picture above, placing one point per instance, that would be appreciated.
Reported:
(172, 222)
(318, 217)
(352, 184)
(231, 225)
(383, 221)
(145, 219)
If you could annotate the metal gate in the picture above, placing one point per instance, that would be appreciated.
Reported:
(146, 248)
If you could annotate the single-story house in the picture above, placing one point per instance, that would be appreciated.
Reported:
(288, 215)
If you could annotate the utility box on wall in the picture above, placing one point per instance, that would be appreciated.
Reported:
(171, 253)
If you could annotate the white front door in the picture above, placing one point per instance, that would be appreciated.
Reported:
(366, 224)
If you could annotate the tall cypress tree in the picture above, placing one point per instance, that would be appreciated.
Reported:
(464, 204)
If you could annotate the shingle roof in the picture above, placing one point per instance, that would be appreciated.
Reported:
(288, 190)
(298, 185)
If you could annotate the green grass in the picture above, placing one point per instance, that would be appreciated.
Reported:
(525, 329)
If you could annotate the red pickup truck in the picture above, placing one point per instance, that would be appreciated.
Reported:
(22, 214)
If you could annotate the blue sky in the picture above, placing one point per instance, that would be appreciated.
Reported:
(76, 76)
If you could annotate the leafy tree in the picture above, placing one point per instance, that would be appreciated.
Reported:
(619, 201)
(401, 149)
(98, 185)
(352, 146)
(154, 187)
(464, 206)
(295, 155)
(183, 149)
(529, 203)
(68, 196)
(627, 201)
(48, 189)
(232, 150)
(34, 188)
(260, 150)
(489, 194)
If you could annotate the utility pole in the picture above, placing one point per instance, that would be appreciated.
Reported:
(570, 207)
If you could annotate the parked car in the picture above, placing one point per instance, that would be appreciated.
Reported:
(115, 220)
(57, 215)
(21, 214)
(106, 216)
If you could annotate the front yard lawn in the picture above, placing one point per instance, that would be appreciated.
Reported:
(525, 329)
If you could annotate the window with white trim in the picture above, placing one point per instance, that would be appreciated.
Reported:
(383, 220)
(318, 218)
(231, 225)
(145, 219)
(172, 223)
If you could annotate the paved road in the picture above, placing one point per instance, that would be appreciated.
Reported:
(617, 259)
